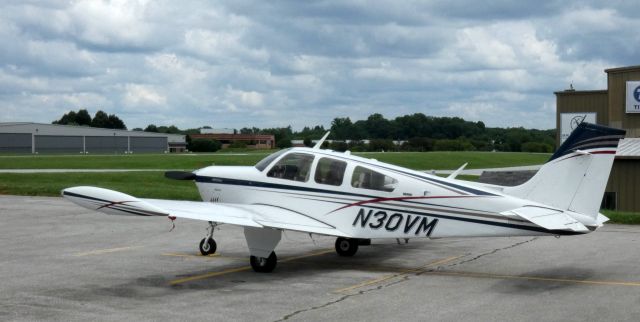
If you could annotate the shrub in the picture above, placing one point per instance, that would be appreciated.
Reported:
(284, 143)
(204, 145)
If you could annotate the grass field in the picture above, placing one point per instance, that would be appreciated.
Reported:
(413, 160)
(150, 184)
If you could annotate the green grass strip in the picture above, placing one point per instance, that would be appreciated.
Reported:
(139, 184)
(621, 217)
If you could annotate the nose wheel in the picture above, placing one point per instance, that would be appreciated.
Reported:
(208, 245)
(262, 264)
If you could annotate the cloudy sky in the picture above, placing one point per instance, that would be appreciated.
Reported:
(277, 63)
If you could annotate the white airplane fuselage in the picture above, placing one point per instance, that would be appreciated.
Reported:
(420, 205)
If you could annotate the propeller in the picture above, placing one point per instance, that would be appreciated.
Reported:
(180, 175)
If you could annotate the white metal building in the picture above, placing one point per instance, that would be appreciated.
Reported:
(26, 137)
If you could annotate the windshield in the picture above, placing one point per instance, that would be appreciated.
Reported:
(264, 163)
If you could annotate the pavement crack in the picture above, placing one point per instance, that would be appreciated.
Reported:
(292, 314)
(493, 252)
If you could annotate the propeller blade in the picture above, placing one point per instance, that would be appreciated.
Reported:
(180, 175)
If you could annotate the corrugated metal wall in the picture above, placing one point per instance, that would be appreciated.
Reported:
(624, 179)
(617, 82)
(106, 144)
(582, 101)
(58, 144)
(15, 142)
(148, 144)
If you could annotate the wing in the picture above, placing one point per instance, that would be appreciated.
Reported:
(259, 216)
(547, 218)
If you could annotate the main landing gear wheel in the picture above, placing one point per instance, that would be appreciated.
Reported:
(208, 246)
(346, 246)
(264, 265)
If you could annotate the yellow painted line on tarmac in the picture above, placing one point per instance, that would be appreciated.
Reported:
(240, 269)
(190, 255)
(420, 269)
(106, 251)
(535, 278)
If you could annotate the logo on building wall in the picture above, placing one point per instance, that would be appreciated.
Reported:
(633, 97)
(569, 122)
(576, 120)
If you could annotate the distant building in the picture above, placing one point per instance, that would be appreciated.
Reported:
(218, 131)
(617, 106)
(27, 137)
(253, 141)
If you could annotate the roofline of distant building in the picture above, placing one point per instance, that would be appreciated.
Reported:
(87, 127)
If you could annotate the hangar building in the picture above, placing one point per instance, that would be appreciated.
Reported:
(26, 137)
(617, 106)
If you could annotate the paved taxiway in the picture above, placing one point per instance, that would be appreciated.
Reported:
(61, 262)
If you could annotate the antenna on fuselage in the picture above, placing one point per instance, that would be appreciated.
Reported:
(319, 143)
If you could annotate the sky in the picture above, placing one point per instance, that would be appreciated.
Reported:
(234, 64)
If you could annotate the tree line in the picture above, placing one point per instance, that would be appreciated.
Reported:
(100, 119)
(417, 132)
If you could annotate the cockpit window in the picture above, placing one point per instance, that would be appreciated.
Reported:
(330, 171)
(264, 163)
(293, 166)
(369, 179)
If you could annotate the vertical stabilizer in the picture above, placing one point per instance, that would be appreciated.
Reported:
(576, 175)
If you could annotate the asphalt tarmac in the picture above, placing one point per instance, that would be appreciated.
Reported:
(61, 262)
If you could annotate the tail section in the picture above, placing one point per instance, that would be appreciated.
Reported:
(575, 177)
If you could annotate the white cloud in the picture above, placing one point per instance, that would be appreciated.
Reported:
(167, 62)
(141, 96)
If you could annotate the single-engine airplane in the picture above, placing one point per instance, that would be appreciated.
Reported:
(357, 199)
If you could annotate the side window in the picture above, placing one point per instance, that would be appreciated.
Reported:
(293, 166)
(330, 171)
(369, 179)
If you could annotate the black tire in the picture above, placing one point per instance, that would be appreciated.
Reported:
(264, 265)
(209, 248)
(346, 246)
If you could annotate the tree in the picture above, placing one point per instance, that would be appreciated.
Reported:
(151, 128)
(307, 142)
(83, 117)
(115, 122)
(67, 119)
(341, 128)
(101, 119)
(284, 143)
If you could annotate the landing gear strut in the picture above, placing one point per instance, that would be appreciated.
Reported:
(264, 265)
(347, 246)
(208, 244)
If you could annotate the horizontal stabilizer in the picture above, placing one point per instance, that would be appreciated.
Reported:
(547, 218)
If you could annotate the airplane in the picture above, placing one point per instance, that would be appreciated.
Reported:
(355, 199)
